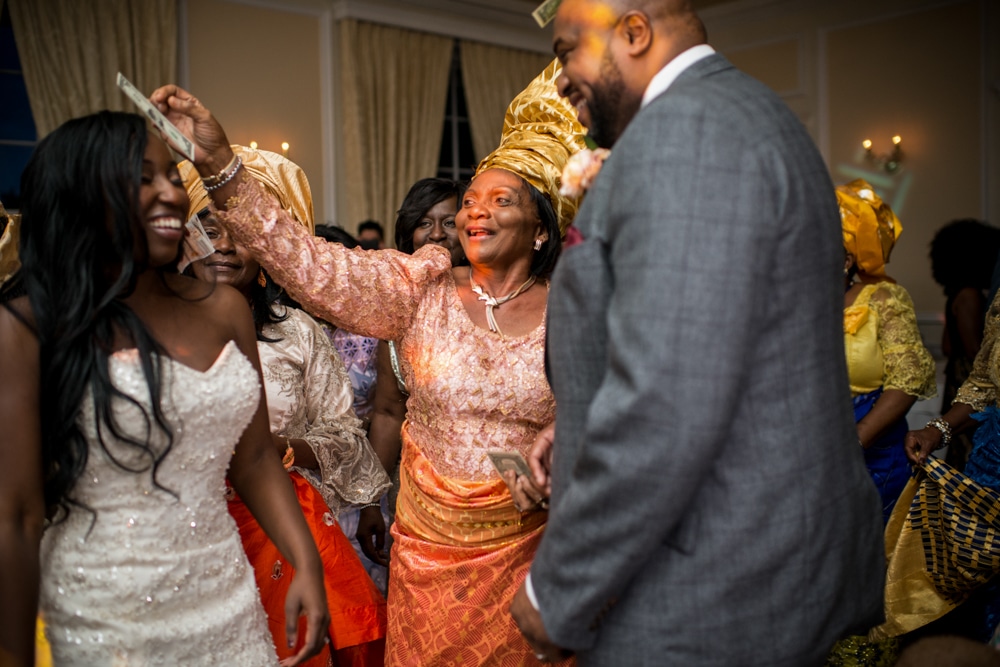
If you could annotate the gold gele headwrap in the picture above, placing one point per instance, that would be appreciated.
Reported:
(869, 226)
(540, 133)
(283, 178)
(9, 262)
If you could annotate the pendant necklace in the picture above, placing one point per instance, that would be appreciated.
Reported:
(492, 302)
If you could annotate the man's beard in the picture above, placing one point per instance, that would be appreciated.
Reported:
(610, 109)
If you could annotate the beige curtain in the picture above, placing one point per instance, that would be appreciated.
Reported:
(71, 52)
(492, 76)
(395, 87)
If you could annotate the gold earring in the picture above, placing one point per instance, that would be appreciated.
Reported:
(261, 280)
(538, 244)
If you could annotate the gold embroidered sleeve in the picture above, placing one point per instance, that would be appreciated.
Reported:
(369, 292)
(349, 471)
(979, 390)
(909, 367)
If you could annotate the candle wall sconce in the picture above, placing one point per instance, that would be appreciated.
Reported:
(887, 162)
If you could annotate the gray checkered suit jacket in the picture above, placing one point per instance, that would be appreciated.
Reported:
(710, 502)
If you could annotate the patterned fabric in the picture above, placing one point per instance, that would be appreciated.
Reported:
(883, 344)
(158, 576)
(310, 397)
(943, 543)
(470, 391)
(358, 354)
(462, 549)
(980, 389)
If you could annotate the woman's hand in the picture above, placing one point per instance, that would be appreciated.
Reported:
(919, 444)
(371, 526)
(306, 598)
(196, 123)
(526, 494)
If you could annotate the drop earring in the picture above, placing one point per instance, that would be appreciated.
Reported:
(538, 245)
(261, 280)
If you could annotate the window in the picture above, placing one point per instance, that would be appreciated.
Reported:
(457, 159)
(17, 127)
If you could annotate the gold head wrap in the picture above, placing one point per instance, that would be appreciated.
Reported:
(9, 262)
(540, 132)
(870, 227)
(283, 178)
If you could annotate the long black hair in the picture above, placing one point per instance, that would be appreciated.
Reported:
(82, 249)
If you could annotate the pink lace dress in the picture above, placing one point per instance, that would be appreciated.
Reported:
(461, 548)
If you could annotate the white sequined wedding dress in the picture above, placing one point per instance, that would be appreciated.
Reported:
(158, 575)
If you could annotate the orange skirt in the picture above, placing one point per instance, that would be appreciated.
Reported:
(357, 609)
(461, 551)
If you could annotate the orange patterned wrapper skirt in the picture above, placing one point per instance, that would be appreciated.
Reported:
(357, 608)
(461, 551)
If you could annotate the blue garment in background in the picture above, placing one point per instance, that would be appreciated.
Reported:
(885, 458)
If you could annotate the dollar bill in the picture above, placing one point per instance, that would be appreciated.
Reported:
(504, 461)
(545, 12)
(177, 140)
(196, 243)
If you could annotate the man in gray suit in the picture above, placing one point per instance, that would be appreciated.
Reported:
(710, 504)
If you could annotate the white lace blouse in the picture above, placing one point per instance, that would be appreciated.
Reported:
(309, 396)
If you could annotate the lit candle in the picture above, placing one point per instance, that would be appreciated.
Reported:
(284, 148)
(867, 143)
(253, 145)
(897, 140)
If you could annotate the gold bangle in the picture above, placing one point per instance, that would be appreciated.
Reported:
(212, 180)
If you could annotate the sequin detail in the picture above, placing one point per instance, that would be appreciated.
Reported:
(160, 579)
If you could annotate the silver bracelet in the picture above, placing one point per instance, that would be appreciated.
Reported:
(945, 428)
(225, 179)
(379, 505)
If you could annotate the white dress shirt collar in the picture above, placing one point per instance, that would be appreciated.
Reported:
(666, 76)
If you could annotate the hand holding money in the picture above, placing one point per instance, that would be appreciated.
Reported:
(197, 124)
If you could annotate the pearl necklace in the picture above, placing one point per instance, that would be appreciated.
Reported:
(492, 301)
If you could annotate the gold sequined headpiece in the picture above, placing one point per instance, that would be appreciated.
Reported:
(9, 262)
(540, 132)
(870, 227)
(283, 178)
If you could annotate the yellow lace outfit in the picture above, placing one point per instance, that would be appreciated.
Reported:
(883, 343)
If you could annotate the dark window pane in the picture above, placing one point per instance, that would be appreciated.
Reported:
(16, 122)
(466, 155)
(444, 157)
(12, 162)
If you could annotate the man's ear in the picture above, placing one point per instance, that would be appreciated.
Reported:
(637, 31)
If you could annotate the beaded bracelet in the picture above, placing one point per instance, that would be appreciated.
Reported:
(212, 180)
(229, 176)
(379, 505)
(945, 428)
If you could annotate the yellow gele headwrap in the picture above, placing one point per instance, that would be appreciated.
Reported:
(9, 262)
(283, 178)
(540, 132)
(870, 227)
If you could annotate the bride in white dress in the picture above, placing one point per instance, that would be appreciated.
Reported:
(127, 394)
